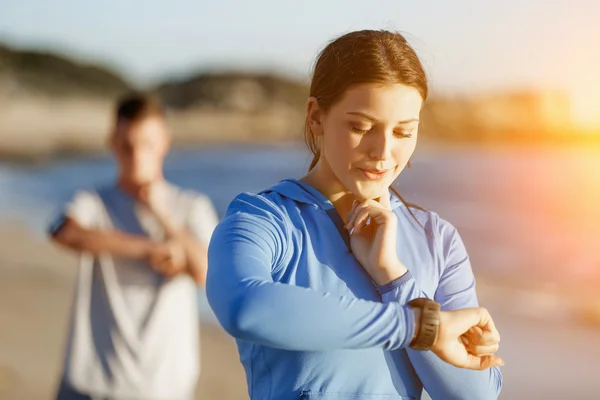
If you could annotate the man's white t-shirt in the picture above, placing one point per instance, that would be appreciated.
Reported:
(134, 333)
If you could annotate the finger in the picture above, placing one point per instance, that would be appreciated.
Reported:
(489, 331)
(474, 334)
(367, 204)
(356, 208)
(377, 214)
(480, 337)
(477, 317)
(485, 362)
(477, 350)
(364, 217)
(359, 220)
(355, 203)
(380, 211)
(475, 330)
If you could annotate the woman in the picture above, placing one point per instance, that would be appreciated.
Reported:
(314, 276)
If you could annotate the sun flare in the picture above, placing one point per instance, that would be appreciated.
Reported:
(585, 109)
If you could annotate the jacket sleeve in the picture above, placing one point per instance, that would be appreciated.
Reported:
(245, 247)
(456, 290)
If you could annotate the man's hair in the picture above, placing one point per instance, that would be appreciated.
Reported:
(136, 106)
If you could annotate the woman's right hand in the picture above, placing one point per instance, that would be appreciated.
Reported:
(468, 338)
(373, 228)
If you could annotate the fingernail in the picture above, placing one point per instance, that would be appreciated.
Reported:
(351, 231)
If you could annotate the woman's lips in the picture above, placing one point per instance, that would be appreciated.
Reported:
(374, 174)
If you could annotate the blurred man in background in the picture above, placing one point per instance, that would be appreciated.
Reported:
(142, 241)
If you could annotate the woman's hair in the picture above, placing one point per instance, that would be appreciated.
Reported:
(362, 57)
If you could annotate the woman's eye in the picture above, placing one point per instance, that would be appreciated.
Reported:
(359, 131)
(403, 135)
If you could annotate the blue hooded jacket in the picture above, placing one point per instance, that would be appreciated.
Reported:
(308, 320)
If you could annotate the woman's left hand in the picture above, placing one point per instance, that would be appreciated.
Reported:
(374, 245)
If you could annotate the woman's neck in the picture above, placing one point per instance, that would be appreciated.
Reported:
(323, 180)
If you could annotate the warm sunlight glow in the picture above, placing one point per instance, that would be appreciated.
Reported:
(585, 108)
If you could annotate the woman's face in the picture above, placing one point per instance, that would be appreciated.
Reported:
(368, 136)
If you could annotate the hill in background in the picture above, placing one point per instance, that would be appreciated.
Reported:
(51, 104)
(26, 72)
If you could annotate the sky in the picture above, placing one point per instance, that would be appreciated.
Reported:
(466, 46)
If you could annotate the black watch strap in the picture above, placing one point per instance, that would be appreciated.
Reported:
(428, 328)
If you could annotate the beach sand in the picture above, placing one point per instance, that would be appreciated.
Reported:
(547, 355)
(36, 286)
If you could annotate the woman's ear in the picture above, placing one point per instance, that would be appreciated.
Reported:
(313, 116)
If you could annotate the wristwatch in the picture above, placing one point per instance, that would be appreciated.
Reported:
(429, 324)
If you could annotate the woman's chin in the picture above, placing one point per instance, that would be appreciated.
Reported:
(370, 190)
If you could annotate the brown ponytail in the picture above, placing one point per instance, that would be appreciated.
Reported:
(409, 207)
